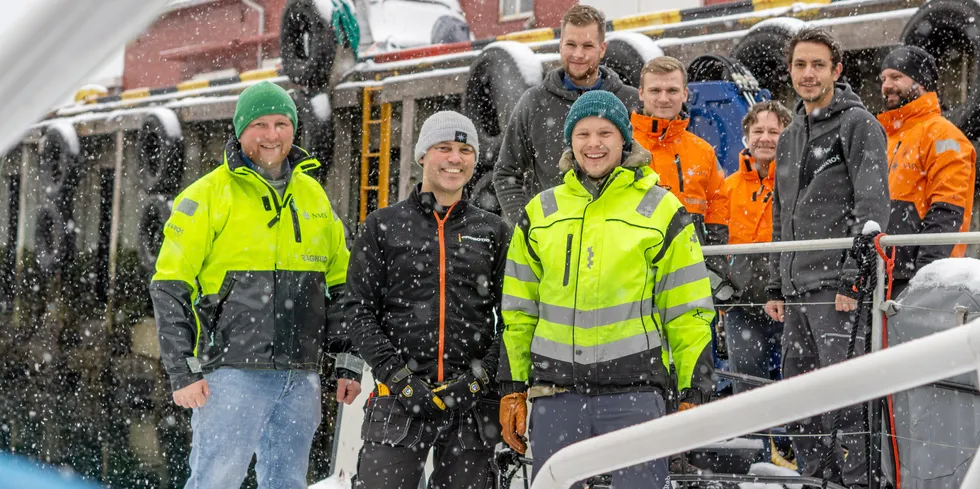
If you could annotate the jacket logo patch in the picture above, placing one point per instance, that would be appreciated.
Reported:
(315, 215)
(314, 258)
(474, 238)
(830, 162)
(177, 229)
(187, 206)
(460, 137)
(590, 257)
(944, 145)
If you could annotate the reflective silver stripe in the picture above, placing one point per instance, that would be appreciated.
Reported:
(520, 272)
(549, 204)
(944, 145)
(595, 354)
(672, 313)
(597, 317)
(682, 276)
(516, 304)
(650, 201)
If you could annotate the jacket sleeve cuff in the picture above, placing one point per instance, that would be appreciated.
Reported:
(694, 396)
(343, 373)
(510, 387)
(349, 362)
(775, 295)
(181, 380)
(847, 290)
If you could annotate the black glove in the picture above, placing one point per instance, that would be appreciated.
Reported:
(463, 392)
(416, 395)
(694, 396)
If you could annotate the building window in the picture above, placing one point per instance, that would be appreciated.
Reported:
(516, 9)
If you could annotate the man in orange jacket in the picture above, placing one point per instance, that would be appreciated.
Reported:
(752, 336)
(931, 172)
(686, 163)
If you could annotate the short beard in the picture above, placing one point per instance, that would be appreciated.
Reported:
(593, 69)
(903, 98)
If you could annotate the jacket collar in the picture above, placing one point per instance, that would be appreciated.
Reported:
(300, 159)
(425, 203)
(910, 114)
(655, 128)
(747, 167)
(554, 83)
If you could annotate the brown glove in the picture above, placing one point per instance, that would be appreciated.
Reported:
(513, 420)
(684, 406)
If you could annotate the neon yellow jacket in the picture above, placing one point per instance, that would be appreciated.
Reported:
(243, 276)
(596, 280)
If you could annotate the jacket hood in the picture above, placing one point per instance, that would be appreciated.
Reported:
(746, 166)
(298, 158)
(656, 128)
(637, 158)
(553, 83)
(844, 99)
(894, 121)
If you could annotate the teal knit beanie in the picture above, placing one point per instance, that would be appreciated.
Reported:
(600, 103)
(263, 98)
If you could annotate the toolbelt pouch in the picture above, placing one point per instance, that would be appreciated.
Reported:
(479, 428)
(387, 421)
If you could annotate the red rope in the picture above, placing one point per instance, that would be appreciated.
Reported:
(889, 267)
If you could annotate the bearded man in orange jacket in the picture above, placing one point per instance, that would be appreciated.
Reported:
(687, 164)
(931, 170)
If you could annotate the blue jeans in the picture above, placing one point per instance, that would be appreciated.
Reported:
(753, 340)
(270, 413)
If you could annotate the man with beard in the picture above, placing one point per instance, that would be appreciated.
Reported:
(532, 144)
(931, 169)
(831, 179)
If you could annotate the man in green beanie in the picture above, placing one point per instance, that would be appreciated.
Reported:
(605, 281)
(246, 290)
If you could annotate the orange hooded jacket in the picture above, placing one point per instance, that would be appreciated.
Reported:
(749, 202)
(931, 179)
(689, 169)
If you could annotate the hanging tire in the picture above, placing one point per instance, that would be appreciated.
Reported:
(315, 131)
(161, 152)
(59, 164)
(947, 29)
(153, 218)
(627, 52)
(54, 243)
(307, 44)
(499, 75)
(762, 51)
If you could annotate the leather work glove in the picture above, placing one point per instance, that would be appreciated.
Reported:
(463, 392)
(691, 398)
(513, 420)
(416, 395)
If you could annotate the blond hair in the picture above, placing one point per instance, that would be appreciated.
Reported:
(663, 65)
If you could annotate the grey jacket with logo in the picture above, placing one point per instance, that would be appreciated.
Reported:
(534, 139)
(831, 179)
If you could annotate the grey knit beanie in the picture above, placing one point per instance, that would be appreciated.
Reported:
(446, 126)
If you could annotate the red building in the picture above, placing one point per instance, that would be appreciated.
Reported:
(488, 18)
(201, 36)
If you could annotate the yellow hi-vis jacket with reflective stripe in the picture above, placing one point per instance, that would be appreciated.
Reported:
(595, 284)
(243, 276)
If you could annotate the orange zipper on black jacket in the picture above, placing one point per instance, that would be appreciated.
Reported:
(441, 223)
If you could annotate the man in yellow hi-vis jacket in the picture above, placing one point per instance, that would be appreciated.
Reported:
(252, 259)
(602, 272)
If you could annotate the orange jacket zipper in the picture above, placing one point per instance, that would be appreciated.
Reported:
(442, 289)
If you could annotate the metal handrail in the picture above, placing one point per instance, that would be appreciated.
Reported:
(842, 243)
(930, 359)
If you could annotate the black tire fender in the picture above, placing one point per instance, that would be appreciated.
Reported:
(762, 51)
(315, 131)
(54, 243)
(627, 53)
(59, 164)
(307, 44)
(948, 30)
(161, 152)
(153, 218)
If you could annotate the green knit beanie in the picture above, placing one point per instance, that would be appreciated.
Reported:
(263, 98)
(600, 103)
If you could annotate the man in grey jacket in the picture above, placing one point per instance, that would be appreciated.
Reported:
(528, 161)
(831, 179)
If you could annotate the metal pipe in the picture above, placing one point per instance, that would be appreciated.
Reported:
(77, 39)
(930, 359)
(261, 10)
(842, 243)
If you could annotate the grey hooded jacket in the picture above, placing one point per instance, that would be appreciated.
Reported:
(533, 141)
(831, 179)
